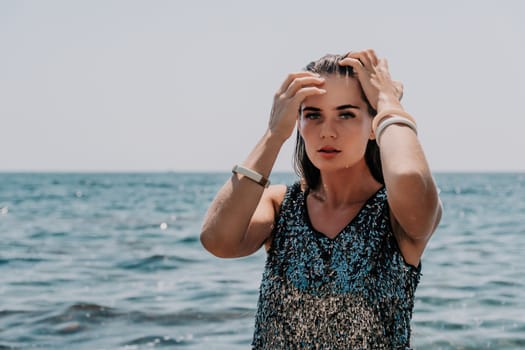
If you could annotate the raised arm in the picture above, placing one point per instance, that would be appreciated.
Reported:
(240, 218)
(412, 194)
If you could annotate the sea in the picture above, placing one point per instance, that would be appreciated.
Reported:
(114, 261)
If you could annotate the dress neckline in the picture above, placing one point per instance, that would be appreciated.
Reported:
(359, 213)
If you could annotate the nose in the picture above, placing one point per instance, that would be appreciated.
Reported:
(328, 130)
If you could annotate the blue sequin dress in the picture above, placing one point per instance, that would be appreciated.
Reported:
(352, 292)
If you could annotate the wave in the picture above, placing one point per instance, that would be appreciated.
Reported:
(81, 312)
(155, 262)
(81, 319)
(6, 313)
(21, 260)
(95, 313)
(190, 239)
(154, 341)
(191, 316)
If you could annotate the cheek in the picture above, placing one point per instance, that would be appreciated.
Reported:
(307, 133)
(304, 126)
(367, 127)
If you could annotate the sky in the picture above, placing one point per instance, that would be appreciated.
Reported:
(152, 85)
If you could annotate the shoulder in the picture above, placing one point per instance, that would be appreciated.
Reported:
(282, 195)
(276, 194)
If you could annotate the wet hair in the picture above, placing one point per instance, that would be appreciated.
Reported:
(329, 64)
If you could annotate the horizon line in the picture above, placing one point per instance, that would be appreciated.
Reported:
(199, 171)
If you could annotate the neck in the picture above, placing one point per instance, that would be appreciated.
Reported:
(346, 187)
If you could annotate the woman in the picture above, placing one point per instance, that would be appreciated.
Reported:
(344, 244)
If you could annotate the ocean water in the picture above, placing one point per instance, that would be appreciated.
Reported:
(113, 261)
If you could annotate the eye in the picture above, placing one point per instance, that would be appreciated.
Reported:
(347, 115)
(312, 115)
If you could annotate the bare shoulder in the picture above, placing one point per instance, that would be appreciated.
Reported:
(275, 194)
(273, 197)
(261, 223)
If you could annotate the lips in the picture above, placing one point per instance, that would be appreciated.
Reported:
(329, 150)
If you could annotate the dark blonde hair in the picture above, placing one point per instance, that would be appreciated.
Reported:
(329, 64)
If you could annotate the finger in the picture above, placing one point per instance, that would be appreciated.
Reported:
(399, 88)
(295, 101)
(363, 57)
(290, 78)
(372, 57)
(398, 85)
(356, 64)
(307, 92)
(382, 66)
(301, 83)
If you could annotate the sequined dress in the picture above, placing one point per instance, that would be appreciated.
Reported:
(351, 292)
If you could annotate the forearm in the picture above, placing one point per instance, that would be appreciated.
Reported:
(230, 213)
(410, 185)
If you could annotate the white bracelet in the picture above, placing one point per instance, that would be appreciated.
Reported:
(393, 120)
(388, 113)
(252, 175)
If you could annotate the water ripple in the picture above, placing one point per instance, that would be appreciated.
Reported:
(113, 261)
(155, 262)
(158, 341)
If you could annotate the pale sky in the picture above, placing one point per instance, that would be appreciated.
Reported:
(188, 85)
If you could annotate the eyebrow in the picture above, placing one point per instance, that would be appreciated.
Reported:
(348, 106)
(339, 108)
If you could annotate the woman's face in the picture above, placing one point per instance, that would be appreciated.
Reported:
(336, 126)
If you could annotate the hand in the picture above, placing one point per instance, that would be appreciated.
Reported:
(374, 76)
(288, 99)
